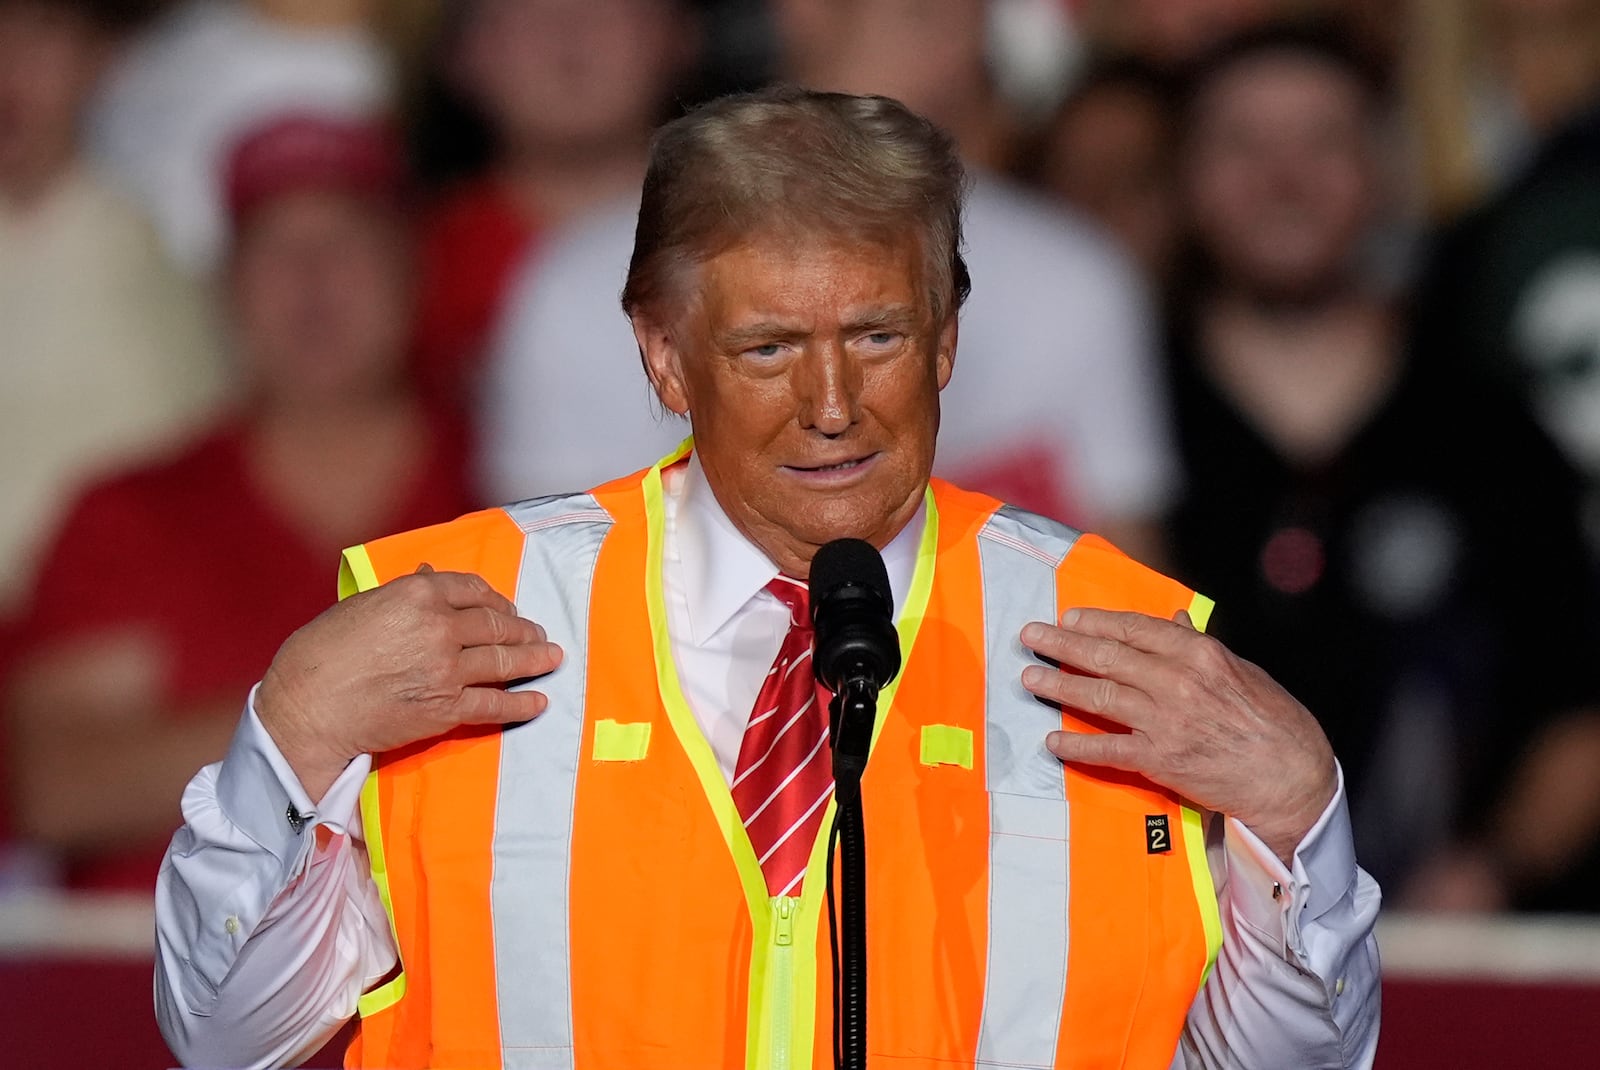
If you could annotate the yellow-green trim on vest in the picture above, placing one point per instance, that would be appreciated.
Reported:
(946, 744)
(779, 989)
(356, 574)
(621, 741)
(1194, 837)
(387, 994)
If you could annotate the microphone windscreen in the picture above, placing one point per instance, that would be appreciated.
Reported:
(849, 562)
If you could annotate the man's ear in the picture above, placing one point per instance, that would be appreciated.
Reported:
(945, 355)
(662, 363)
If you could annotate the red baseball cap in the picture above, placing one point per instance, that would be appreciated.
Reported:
(303, 151)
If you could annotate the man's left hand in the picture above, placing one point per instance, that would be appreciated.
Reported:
(1204, 723)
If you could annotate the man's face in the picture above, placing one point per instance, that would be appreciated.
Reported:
(572, 75)
(1280, 173)
(810, 371)
(1109, 155)
(49, 59)
(1172, 33)
(321, 297)
(920, 52)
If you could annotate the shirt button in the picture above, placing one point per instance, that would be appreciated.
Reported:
(231, 926)
(1277, 890)
(1338, 988)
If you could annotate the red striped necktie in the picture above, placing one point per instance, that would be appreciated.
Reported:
(784, 776)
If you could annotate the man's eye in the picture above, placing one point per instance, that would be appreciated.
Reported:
(771, 349)
(881, 339)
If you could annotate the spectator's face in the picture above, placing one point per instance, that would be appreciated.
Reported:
(49, 59)
(919, 52)
(321, 298)
(810, 372)
(1171, 33)
(1111, 156)
(572, 75)
(1280, 174)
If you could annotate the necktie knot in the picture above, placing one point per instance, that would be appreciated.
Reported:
(794, 594)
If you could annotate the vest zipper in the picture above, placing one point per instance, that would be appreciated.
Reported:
(780, 992)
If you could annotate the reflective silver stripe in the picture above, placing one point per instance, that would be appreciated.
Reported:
(1027, 972)
(1019, 557)
(1028, 867)
(538, 775)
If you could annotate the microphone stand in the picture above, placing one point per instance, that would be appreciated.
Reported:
(852, 713)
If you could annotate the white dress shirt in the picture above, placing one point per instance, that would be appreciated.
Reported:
(266, 940)
(726, 628)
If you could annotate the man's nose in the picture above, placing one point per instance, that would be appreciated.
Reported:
(829, 390)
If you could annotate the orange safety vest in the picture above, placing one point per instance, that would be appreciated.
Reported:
(579, 892)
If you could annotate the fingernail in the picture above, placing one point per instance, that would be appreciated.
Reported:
(1052, 740)
(1032, 633)
(1069, 618)
(1032, 676)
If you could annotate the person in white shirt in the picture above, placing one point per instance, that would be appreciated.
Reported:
(807, 345)
(209, 70)
(1058, 405)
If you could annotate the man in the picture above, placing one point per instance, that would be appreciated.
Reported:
(208, 71)
(105, 350)
(598, 865)
(571, 90)
(1062, 414)
(173, 581)
(1358, 515)
(1108, 152)
(1510, 291)
(1172, 34)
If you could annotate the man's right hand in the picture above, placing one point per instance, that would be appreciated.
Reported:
(407, 661)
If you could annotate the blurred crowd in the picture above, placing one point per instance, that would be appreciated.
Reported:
(1296, 300)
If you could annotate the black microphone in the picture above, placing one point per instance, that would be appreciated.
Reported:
(852, 609)
(857, 652)
(857, 648)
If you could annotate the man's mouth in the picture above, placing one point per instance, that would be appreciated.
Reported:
(837, 466)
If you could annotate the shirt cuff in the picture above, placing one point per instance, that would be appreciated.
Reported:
(1278, 902)
(259, 792)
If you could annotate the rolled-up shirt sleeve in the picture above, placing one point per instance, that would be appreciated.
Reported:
(268, 924)
(1296, 982)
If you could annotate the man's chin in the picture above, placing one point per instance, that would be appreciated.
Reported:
(849, 517)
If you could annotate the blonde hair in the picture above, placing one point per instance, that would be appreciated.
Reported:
(791, 160)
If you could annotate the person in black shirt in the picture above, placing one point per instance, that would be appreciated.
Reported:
(1399, 545)
(1513, 290)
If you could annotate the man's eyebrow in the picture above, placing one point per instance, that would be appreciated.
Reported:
(901, 318)
(898, 317)
(732, 339)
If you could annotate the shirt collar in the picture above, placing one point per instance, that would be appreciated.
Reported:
(723, 570)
